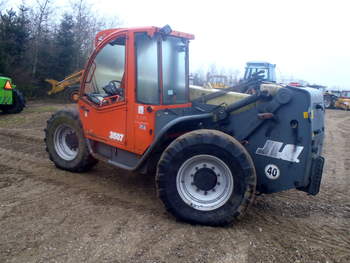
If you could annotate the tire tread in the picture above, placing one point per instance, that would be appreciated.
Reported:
(222, 140)
(87, 161)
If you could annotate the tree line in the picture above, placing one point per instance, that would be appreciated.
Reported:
(37, 43)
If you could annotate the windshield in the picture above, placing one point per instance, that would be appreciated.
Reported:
(250, 71)
(108, 67)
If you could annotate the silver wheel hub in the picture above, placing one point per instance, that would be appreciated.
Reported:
(204, 182)
(66, 142)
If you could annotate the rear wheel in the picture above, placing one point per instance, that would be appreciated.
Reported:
(65, 142)
(327, 102)
(17, 105)
(206, 177)
(72, 94)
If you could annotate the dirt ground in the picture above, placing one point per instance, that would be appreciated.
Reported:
(107, 215)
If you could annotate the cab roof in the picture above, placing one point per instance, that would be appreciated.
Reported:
(108, 33)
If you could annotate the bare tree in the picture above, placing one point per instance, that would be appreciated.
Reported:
(41, 15)
(87, 24)
(233, 76)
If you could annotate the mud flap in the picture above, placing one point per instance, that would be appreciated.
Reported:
(315, 176)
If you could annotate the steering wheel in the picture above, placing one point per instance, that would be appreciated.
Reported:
(113, 89)
(113, 82)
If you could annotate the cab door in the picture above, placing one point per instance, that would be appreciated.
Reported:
(103, 105)
(161, 82)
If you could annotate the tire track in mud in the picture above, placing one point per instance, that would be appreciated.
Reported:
(142, 229)
(143, 233)
(337, 142)
(132, 226)
(133, 231)
(324, 235)
(43, 170)
(316, 241)
(27, 134)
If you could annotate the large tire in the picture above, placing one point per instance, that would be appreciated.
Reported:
(17, 105)
(66, 144)
(206, 177)
(71, 94)
(327, 102)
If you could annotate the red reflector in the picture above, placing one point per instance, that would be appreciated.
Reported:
(8, 85)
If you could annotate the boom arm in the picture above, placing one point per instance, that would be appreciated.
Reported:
(58, 86)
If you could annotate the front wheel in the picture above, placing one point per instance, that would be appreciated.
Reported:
(206, 177)
(66, 144)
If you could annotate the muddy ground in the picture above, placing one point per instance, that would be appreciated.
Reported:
(107, 215)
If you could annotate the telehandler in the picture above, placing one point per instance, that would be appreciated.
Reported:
(210, 150)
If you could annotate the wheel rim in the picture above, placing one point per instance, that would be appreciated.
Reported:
(66, 142)
(204, 182)
(327, 102)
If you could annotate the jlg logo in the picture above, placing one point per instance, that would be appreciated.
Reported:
(116, 136)
(289, 153)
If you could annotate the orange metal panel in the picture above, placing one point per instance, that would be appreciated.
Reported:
(107, 124)
(127, 125)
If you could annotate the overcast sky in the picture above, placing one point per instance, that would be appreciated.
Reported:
(307, 39)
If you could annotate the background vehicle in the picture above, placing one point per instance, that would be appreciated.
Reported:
(268, 72)
(210, 150)
(330, 99)
(343, 102)
(11, 99)
(219, 81)
(69, 86)
(216, 81)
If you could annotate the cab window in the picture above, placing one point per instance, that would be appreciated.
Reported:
(174, 55)
(106, 74)
(161, 69)
(148, 90)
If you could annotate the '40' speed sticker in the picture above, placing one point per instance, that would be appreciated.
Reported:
(272, 171)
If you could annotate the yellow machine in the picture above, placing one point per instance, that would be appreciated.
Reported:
(69, 85)
(216, 82)
(343, 102)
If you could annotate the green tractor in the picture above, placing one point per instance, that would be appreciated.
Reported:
(11, 99)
